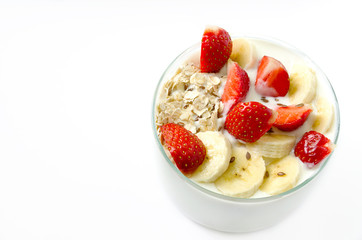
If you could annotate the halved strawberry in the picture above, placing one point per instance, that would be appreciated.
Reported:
(236, 87)
(249, 121)
(186, 149)
(313, 148)
(216, 48)
(291, 117)
(272, 78)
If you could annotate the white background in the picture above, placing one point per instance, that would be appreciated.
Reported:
(78, 159)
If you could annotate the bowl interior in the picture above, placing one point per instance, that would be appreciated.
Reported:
(322, 78)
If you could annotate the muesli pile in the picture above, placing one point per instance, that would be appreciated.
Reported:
(242, 135)
(191, 99)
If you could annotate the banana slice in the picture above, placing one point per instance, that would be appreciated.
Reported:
(244, 175)
(268, 160)
(273, 145)
(218, 154)
(243, 53)
(281, 175)
(325, 115)
(303, 84)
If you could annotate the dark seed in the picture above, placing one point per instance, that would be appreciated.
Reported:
(266, 175)
(232, 159)
(248, 156)
(282, 105)
(264, 100)
(281, 174)
(300, 105)
(243, 169)
(277, 100)
(215, 95)
(186, 105)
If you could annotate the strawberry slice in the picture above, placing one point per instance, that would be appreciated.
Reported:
(313, 148)
(236, 87)
(249, 121)
(291, 117)
(216, 49)
(186, 149)
(272, 78)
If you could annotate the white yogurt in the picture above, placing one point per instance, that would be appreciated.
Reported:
(288, 58)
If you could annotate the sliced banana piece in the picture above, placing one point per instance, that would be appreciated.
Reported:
(218, 154)
(273, 145)
(243, 53)
(303, 84)
(244, 175)
(281, 175)
(325, 115)
(268, 160)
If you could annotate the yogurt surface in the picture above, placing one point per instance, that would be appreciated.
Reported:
(289, 57)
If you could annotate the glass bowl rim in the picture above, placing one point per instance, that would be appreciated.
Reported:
(238, 199)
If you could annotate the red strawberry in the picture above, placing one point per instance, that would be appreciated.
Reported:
(272, 78)
(236, 87)
(249, 121)
(313, 148)
(186, 149)
(291, 117)
(216, 48)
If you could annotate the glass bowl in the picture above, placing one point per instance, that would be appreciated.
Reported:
(232, 214)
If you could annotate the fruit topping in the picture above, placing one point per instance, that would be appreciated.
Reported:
(325, 115)
(272, 78)
(243, 53)
(186, 149)
(273, 145)
(244, 175)
(216, 47)
(218, 154)
(282, 175)
(291, 117)
(236, 87)
(313, 148)
(249, 121)
(303, 84)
